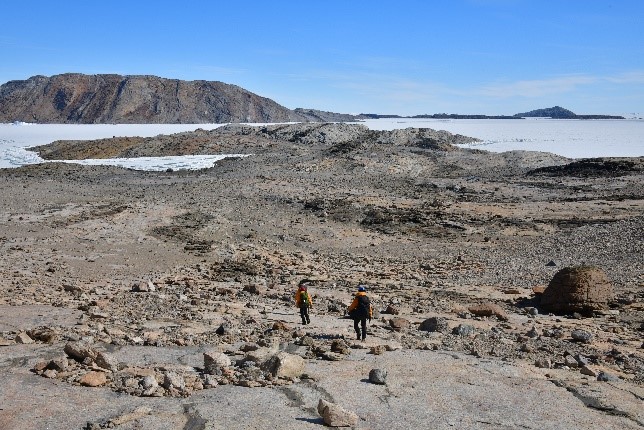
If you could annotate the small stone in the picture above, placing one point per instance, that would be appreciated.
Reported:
(533, 333)
(378, 376)
(106, 361)
(143, 287)
(488, 310)
(80, 350)
(23, 338)
(40, 366)
(340, 346)
(607, 377)
(284, 365)
(377, 350)
(543, 363)
(149, 382)
(399, 324)
(93, 379)
(434, 324)
(173, 380)
(281, 325)
(335, 416)
(570, 361)
(391, 310)
(255, 289)
(582, 336)
(58, 364)
(50, 373)
(214, 362)
(463, 330)
(589, 371)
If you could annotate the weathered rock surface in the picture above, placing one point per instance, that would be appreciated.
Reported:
(578, 289)
(431, 231)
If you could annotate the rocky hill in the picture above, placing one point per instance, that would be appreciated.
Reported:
(75, 98)
(557, 112)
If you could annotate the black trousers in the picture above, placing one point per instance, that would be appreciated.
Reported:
(304, 313)
(357, 322)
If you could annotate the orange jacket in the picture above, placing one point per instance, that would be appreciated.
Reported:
(355, 302)
(298, 298)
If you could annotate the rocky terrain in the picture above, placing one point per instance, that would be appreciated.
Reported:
(74, 98)
(507, 288)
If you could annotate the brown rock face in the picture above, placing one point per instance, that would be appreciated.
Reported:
(577, 289)
(74, 98)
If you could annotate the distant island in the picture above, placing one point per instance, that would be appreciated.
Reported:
(556, 112)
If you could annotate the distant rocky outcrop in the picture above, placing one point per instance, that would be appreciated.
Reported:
(315, 115)
(557, 112)
(74, 98)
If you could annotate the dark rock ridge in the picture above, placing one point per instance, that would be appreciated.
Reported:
(238, 138)
(74, 98)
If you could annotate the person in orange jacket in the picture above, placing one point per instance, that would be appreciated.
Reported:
(360, 310)
(303, 300)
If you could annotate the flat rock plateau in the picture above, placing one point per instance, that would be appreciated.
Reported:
(164, 300)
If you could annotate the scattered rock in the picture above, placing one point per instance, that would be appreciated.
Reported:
(93, 379)
(582, 336)
(58, 364)
(463, 330)
(335, 416)
(255, 289)
(488, 310)
(391, 310)
(173, 380)
(378, 349)
(589, 371)
(143, 287)
(106, 361)
(284, 365)
(434, 324)
(214, 362)
(543, 363)
(23, 338)
(378, 376)
(607, 377)
(399, 324)
(80, 350)
(281, 325)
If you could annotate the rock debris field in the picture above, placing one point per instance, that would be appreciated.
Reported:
(507, 288)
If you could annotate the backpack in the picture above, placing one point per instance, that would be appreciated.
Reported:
(362, 310)
(305, 300)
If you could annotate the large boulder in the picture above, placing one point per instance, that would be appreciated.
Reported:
(284, 365)
(582, 289)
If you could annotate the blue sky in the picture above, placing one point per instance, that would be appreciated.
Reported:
(405, 57)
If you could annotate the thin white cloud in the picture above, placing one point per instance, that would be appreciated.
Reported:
(557, 85)
(636, 77)
(536, 87)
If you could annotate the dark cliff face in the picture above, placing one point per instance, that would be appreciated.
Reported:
(94, 99)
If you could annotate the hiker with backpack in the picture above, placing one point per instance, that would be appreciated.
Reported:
(360, 310)
(303, 300)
